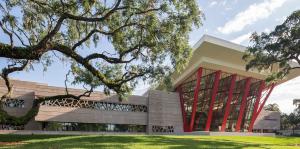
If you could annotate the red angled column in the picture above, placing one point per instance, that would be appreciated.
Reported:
(179, 90)
(213, 98)
(265, 99)
(256, 104)
(243, 104)
(196, 93)
(228, 103)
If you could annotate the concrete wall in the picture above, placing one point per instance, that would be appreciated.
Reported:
(84, 115)
(28, 97)
(42, 89)
(164, 110)
(28, 91)
(267, 120)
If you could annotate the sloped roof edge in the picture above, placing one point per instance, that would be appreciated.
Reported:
(218, 41)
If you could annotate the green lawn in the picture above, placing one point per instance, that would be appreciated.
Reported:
(140, 141)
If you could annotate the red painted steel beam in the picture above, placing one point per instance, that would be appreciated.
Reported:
(256, 104)
(196, 93)
(179, 90)
(212, 101)
(243, 105)
(228, 103)
(264, 101)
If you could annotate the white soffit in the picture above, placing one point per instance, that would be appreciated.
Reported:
(212, 40)
(220, 42)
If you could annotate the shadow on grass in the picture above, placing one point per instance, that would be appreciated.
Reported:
(122, 142)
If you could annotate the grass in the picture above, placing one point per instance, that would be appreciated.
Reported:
(141, 141)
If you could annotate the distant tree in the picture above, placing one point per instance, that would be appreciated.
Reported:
(284, 122)
(108, 44)
(272, 107)
(296, 102)
(290, 121)
(294, 120)
(280, 47)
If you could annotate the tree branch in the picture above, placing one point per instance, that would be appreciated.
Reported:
(6, 72)
(90, 19)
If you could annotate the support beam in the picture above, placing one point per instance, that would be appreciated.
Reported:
(179, 90)
(256, 104)
(196, 93)
(265, 99)
(243, 104)
(228, 103)
(254, 117)
(213, 98)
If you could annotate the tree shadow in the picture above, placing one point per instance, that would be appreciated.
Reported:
(134, 141)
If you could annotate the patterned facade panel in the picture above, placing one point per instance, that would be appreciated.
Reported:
(97, 105)
(11, 127)
(162, 129)
(14, 103)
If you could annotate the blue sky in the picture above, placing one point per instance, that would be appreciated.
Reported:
(235, 20)
(232, 20)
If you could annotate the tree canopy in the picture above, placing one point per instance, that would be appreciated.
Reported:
(142, 35)
(280, 47)
(272, 107)
(108, 44)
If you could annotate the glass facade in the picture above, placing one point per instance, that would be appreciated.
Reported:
(218, 101)
(95, 127)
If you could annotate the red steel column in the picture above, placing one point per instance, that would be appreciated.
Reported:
(212, 101)
(228, 103)
(196, 93)
(262, 105)
(179, 90)
(265, 99)
(243, 105)
(256, 104)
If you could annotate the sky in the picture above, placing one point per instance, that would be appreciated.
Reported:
(232, 20)
(235, 20)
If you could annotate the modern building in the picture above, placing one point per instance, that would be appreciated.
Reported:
(213, 93)
(267, 121)
(155, 113)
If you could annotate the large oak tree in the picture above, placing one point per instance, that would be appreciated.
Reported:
(147, 39)
(280, 47)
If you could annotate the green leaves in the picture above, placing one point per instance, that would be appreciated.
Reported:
(279, 48)
(112, 44)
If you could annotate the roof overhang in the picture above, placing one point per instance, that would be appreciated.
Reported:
(218, 54)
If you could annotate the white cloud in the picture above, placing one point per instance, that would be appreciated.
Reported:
(281, 20)
(252, 14)
(284, 94)
(224, 2)
(228, 8)
(219, 2)
(241, 38)
(267, 30)
(213, 3)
